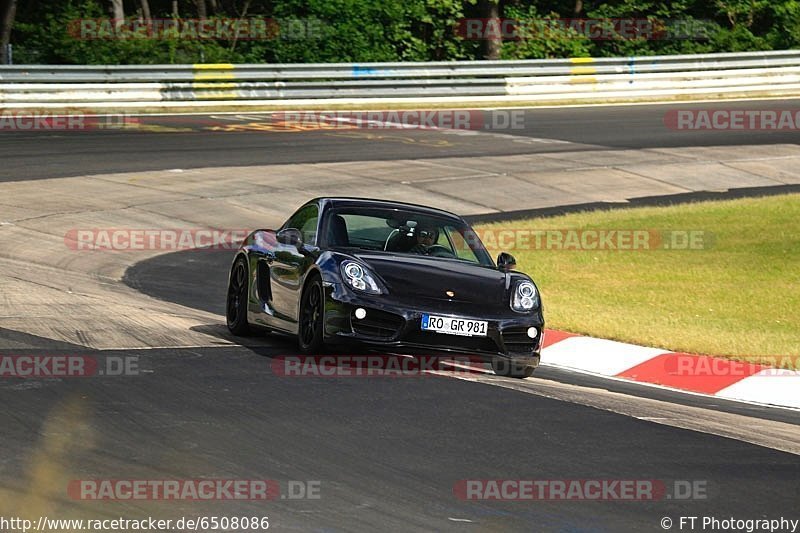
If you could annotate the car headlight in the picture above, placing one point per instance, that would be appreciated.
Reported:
(525, 298)
(359, 278)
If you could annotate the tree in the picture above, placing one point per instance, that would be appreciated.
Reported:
(243, 15)
(494, 42)
(8, 10)
(202, 12)
(117, 10)
(145, 5)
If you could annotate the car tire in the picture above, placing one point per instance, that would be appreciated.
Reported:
(236, 303)
(312, 318)
(509, 369)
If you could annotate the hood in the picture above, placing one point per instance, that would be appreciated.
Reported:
(431, 278)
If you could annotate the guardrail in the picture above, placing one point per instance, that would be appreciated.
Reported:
(549, 80)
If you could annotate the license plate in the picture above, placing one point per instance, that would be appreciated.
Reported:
(454, 326)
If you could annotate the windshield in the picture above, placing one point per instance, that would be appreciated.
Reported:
(405, 232)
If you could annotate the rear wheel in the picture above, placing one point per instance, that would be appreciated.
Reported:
(510, 369)
(236, 307)
(312, 317)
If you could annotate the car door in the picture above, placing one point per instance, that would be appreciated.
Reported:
(292, 262)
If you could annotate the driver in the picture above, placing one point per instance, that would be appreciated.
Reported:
(426, 237)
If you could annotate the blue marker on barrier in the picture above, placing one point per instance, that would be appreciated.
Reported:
(363, 71)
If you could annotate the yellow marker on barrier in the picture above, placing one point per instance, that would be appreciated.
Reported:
(582, 74)
(205, 76)
(213, 71)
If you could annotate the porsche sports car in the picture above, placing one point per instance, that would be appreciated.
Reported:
(388, 276)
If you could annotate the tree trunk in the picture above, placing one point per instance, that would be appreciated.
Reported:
(145, 9)
(492, 45)
(117, 10)
(578, 7)
(175, 12)
(202, 12)
(242, 15)
(214, 6)
(8, 11)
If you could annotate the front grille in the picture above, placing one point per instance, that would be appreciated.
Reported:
(454, 342)
(516, 340)
(378, 324)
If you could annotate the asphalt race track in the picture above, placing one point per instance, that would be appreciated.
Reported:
(191, 141)
(386, 453)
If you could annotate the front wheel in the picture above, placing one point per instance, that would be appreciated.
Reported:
(510, 369)
(312, 315)
(236, 305)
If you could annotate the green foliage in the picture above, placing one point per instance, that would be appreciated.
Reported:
(365, 30)
(540, 40)
(738, 39)
(406, 30)
(54, 41)
(675, 29)
(784, 29)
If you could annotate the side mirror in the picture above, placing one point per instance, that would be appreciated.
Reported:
(506, 262)
(290, 236)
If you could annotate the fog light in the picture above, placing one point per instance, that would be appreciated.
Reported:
(361, 313)
(532, 332)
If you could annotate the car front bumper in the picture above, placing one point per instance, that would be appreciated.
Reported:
(394, 325)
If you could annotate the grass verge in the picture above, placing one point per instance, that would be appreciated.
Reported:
(719, 278)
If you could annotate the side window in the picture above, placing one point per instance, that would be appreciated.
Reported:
(444, 241)
(462, 248)
(306, 221)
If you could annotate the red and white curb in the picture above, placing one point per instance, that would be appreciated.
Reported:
(714, 376)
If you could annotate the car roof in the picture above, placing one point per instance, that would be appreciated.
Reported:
(372, 202)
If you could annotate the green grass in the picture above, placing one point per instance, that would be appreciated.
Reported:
(738, 296)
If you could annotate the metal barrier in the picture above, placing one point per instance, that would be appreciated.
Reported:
(549, 80)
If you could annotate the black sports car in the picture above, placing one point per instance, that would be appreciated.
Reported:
(389, 276)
